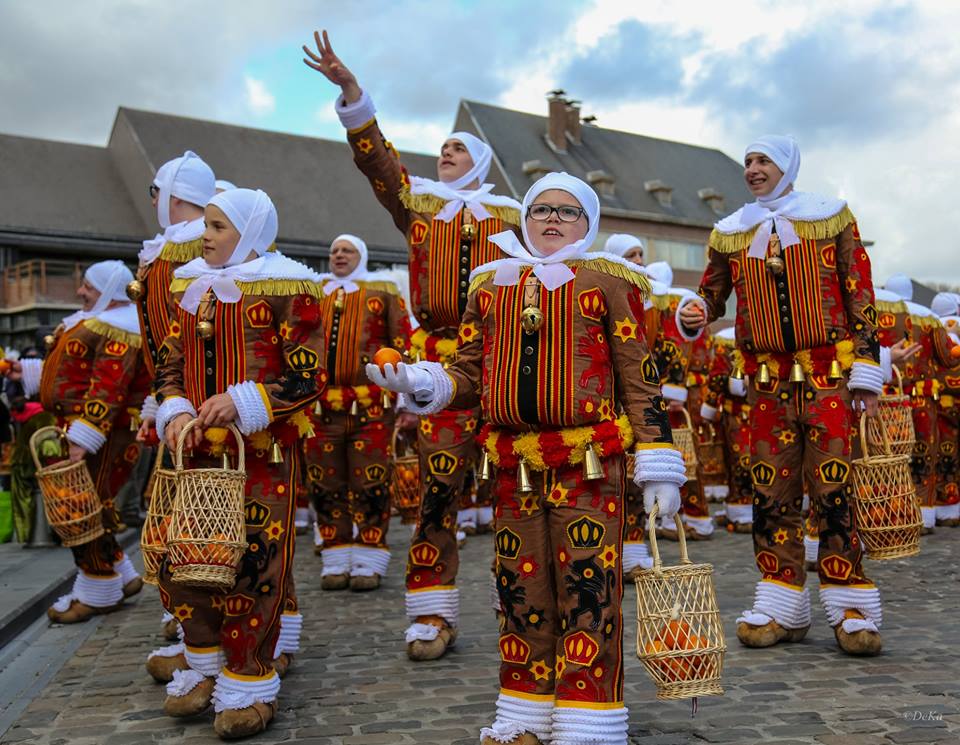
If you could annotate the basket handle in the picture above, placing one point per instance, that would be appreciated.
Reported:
(35, 438)
(887, 450)
(899, 377)
(686, 415)
(651, 529)
(178, 455)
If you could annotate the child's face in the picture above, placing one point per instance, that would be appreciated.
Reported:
(220, 236)
(454, 161)
(550, 235)
(761, 174)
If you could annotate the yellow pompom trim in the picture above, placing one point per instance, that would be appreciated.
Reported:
(112, 332)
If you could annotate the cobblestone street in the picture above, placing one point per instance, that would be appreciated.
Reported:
(352, 682)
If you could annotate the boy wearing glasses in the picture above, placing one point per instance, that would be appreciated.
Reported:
(447, 225)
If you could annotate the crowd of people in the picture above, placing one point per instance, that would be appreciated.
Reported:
(542, 375)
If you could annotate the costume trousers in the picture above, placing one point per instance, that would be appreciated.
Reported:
(739, 501)
(803, 432)
(243, 623)
(110, 468)
(559, 576)
(947, 469)
(924, 461)
(347, 468)
(447, 450)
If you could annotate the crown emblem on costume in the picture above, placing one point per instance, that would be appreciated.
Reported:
(76, 348)
(371, 535)
(424, 554)
(256, 514)
(237, 605)
(514, 649)
(508, 544)
(585, 532)
(259, 315)
(303, 358)
(580, 649)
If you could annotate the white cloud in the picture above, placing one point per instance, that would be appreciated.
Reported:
(259, 98)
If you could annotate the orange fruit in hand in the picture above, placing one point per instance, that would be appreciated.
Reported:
(954, 351)
(386, 356)
(5, 366)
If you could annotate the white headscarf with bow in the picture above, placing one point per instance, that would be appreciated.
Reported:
(454, 192)
(110, 279)
(255, 218)
(348, 283)
(776, 210)
(187, 178)
(550, 270)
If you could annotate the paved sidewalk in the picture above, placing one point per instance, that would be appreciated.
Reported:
(354, 684)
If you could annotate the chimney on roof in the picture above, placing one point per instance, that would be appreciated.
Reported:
(557, 120)
(573, 121)
(535, 169)
(713, 198)
(660, 190)
(602, 182)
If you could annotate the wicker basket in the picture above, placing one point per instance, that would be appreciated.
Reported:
(885, 500)
(896, 421)
(405, 480)
(153, 538)
(207, 534)
(70, 499)
(711, 456)
(679, 631)
(684, 439)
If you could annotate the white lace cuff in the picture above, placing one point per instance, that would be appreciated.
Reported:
(517, 715)
(98, 592)
(866, 376)
(183, 682)
(356, 114)
(336, 560)
(368, 561)
(443, 603)
(230, 693)
(149, 408)
(659, 464)
(253, 414)
(171, 650)
(708, 412)
(126, 569)
(288, 640)
(684, 332)
(788, 607)
(170, 409)
(439, 390)
(737, 387)
(32, 371)
(674, 392)
(86, 436)
(837, 598)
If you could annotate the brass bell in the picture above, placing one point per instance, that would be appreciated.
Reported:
(592, 468)
(775, 265)
(49, 340)
(385, 399)
(338, 300)
(354, 409)
(523, 478)
(737, 373)
(225, 461)
(468, 231)
(276, 454)
(318, 408)
(135, 290)
(205, 330)
(796, 373)
(134, 423)
(531, 319)
(763, 374)
(485, 471)
(835, 372)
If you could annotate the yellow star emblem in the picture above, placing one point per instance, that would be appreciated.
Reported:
(358, 445)
(851, 284)
(183, 612)
(781, 536)
(528, 503)
(285, 329)
(470, 424)
(561, 665)
(540, 670)
(274, 530)
(609, 556)
(626, 330)
(787, 437)
(426, 426)
(558, 495)
(365, 145)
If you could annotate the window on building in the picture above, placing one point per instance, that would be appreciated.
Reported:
(678, 254)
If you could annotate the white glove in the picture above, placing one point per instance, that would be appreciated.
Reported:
(665, 495)
(737, 387)
(411, 380)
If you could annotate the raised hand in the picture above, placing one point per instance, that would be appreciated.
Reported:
(328, 63)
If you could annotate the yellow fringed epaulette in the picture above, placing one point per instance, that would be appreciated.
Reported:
(112, 332)
(886, 306)
(430, 205)
(617, 270)
(380, 286)
(266, 287)
(181, 253)
(477, 281)
(729, 243)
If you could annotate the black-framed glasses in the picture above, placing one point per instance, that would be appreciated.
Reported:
(154, 191)
(565, 212)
